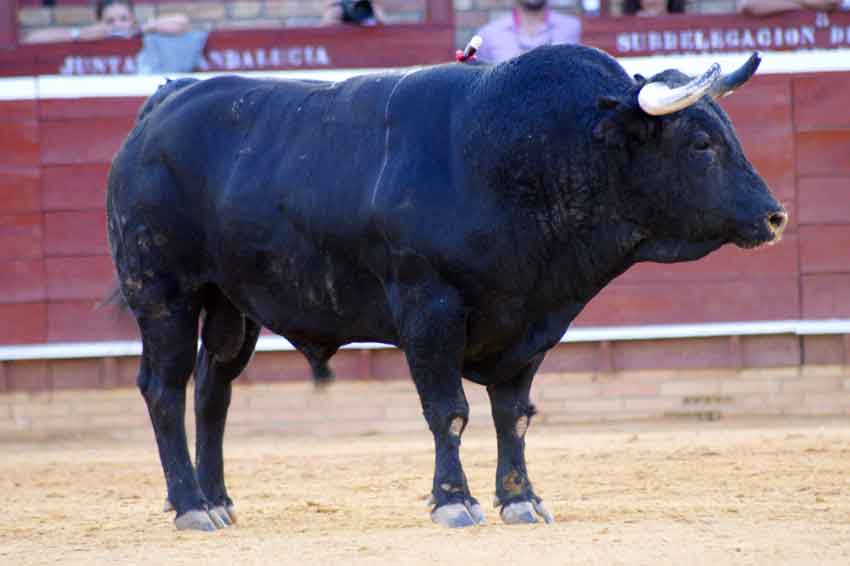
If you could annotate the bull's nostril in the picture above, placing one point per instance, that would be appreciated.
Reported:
(777, 220)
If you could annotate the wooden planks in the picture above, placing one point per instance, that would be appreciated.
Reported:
(54, 159)
(822, 125)
(53, 254)
(824, 200)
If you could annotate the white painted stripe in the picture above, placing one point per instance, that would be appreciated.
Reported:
(57, 87)
(71, 350)
(18, 88)
(773, 62)
(116, 86)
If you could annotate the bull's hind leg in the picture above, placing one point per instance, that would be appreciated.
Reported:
(169, 341)
(228, 343)
(433, 337)
(512, 412)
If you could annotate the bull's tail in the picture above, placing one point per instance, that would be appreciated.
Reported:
(163, 92)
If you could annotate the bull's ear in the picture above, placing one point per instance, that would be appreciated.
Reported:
(611, 128)
(607, 102)
(621, 123)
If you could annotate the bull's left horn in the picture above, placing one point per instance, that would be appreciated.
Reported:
(657, 99)
(736, 78)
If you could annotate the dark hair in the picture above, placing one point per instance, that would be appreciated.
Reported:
(101, 5)
(632, 7)
(357, 11)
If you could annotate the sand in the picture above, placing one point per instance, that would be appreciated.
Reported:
(684, 493)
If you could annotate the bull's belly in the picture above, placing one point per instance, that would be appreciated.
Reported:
(323, 299)
(337, 308)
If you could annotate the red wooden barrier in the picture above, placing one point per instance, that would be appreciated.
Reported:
(8, 24)
(431, 41)
(269, 49)
(54, 157)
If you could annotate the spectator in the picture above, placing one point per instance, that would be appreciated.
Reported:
(768, 7)
(529, 25)
(651, 8)
(114, 18)
(357, 12)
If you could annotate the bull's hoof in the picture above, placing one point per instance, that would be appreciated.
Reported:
(225, 514)
(518, 513)
(197, 520)
(526, 512)
(476, 512)
(543, 512)
(456, 515)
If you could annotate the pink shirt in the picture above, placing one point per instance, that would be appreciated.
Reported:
(503, 40)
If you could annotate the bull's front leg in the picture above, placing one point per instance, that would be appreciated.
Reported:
(433, 340)
(512, 412)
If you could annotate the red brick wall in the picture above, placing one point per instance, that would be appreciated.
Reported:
(215, 14)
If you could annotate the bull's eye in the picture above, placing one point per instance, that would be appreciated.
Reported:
(701, 143)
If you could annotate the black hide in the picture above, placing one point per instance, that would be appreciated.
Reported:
(463, 213)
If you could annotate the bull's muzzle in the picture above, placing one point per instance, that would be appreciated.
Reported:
(776, 223)
(765, 229)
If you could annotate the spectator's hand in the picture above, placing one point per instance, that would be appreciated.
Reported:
(98, 30)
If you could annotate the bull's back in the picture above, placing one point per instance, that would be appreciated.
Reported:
(231, 142)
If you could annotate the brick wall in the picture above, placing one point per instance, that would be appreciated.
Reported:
(469, 14)
(578, 382)
(210, 14)
(367, 407)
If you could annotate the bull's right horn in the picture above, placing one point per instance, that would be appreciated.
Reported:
(657, 99)
(736, 78)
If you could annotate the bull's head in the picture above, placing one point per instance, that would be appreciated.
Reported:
(684, 164)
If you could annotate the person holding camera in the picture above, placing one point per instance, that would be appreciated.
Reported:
(113, 18)
(358, 12)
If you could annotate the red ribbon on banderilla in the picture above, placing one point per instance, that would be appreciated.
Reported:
(468, 53)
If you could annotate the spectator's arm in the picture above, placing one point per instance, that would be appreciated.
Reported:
(97, 30)
(768, 7)
(171, 24)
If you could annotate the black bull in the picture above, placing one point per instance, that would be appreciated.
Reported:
(463, 213)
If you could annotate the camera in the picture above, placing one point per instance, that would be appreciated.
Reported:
(357, 12)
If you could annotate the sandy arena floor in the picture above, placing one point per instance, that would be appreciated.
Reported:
(739, 492)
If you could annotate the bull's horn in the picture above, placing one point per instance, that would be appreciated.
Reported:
(736, 78)
(657, 99)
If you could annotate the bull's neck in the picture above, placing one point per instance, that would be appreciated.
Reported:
(582, 232)
(581, 262)
(542, 164)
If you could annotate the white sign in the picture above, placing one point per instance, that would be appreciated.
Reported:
(265, 58)
(257, 58)
(796, 37)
